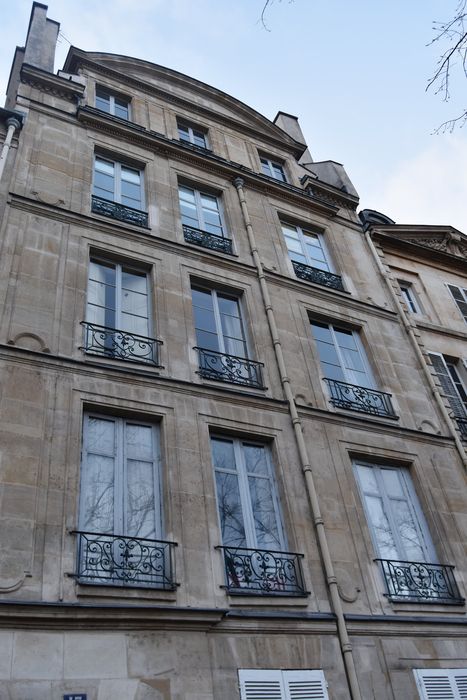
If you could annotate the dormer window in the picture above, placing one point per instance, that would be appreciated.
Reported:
(192, 134)
(113, 104)
(272, 168)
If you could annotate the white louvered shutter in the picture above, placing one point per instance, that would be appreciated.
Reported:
(459, 296)
(442, 684)
(305, 685)
(282, 685)
(260, 685)
(460, 682)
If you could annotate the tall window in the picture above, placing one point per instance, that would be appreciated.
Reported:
(442, 684)
(246, 495)
(306, 247)
(282, 685)
(120, 490)
(120, 522)
(453, 387)
(117, 182)
(459, 295)
(112, 104)
(341, 354)
(118, 297)
(218, 322)
(118, 320)
(272, 168)
(192, 134)
(396, 521)
(201, 211)
(410, 297)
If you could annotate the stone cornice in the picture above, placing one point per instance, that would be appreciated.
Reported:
(48, 82)
(324, 198)
(102, 616)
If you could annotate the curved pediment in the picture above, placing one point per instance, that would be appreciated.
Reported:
(178, 86)
(441, 239)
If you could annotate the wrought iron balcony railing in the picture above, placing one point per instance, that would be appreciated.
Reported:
(125, 561)
(322, 277)
(359, 398)
(462, 425)
(263, 572)
(229, 368)
(430, 583)
(120, 212)
(207, 240)
(120, 345)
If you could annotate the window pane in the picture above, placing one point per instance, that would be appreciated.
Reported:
(230, 510)
(183, 133)
(381, 529)
(264, 515)
(409, 532)
(204, 319)
(140, 504)
(207, 341)
(202, 298)
(392, 483)
(223, 454)
(293, 245)
(321, 332)
(367, 479)
(102, 101)
(255, 459)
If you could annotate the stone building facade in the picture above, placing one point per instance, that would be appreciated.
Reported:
(230, 467)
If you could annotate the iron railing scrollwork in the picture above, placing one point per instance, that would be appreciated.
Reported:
(263, 572)
(410, 580)
(125, 561)
(229, 368)
(314, 274)
(207, 240)
(120, 345)
(360, 398)
(120, 212)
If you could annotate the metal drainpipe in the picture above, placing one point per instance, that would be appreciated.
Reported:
(419, 353)
(331, 580)
(12, 124)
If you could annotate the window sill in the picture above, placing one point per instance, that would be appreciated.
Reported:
(84, 590)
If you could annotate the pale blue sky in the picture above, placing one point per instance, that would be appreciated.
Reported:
(353, 72)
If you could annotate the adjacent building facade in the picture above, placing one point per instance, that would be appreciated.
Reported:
(233, 413)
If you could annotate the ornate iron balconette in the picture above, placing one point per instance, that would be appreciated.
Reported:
(207, 240)
(229, 368)
(263, 572)
(430, 583)
(120, 345)
(105, 207)
(359, 398)
(462, 425)
(322, 277)
(125, 561)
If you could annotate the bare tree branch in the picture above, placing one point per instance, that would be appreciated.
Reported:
(454, 58)
(262, 18)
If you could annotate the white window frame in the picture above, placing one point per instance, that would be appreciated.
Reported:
(447, 363)
(117, 177)
(217, 318)
(199, 210)
(413, 505)
(409, 296)
(112, 97)
(303, 234)
(360, 348)
(245, 493)
(182, 124)
(452, 682)
(120, 471)
(271, 164)
(463, 293)
(272, 684)
(119, 267)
